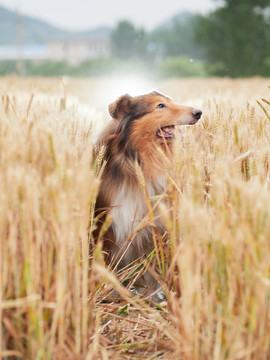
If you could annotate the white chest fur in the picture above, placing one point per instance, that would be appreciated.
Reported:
(129, 210)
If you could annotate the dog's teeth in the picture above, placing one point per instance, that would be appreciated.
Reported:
(166, 131)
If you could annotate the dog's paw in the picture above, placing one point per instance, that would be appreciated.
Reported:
(158, 297)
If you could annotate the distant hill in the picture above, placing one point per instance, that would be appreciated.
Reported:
(34, 31)
(182, 18)
(175, 37)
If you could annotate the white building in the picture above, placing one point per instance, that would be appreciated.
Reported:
(76, 51)
(27, 52)
(72, 51)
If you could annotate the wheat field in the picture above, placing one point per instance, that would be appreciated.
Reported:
(214, 267)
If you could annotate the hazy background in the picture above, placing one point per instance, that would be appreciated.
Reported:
(149, 38)
(86, 14)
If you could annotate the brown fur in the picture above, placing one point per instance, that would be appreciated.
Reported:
(133, 135)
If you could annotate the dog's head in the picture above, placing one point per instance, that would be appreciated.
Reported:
(150, 118)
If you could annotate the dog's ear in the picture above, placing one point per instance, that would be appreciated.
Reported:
(121, 107)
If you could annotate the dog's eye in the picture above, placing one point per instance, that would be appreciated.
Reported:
(161, 106)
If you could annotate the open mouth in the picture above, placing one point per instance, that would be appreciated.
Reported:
(166, 132)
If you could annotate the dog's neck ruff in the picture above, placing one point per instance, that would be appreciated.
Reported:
(129, 208)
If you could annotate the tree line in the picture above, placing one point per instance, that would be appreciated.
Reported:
(233, 40)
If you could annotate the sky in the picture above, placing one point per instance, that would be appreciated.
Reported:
(89, 14)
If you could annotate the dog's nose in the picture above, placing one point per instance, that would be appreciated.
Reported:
(197, 113)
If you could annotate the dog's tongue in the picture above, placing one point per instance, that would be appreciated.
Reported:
(166, 132)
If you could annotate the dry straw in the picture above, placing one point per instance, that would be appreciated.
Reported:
(213, 260)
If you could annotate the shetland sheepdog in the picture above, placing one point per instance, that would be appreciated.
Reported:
(139, 126)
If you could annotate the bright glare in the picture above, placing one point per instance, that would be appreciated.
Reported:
(115, 87)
